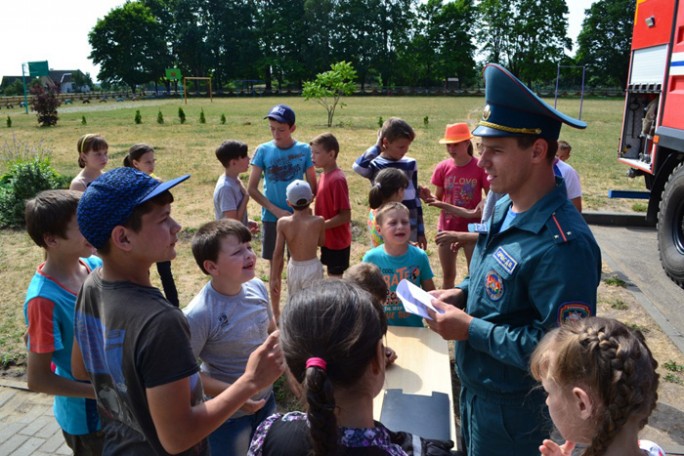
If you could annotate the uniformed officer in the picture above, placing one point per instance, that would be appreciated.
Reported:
(536, 264)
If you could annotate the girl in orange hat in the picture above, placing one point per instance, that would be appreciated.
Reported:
(459, 183)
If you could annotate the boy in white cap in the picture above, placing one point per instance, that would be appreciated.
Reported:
(303, 233)
(536, 264)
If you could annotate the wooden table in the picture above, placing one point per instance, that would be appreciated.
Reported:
(421, 368)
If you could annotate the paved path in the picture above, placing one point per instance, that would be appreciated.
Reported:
(27, 424)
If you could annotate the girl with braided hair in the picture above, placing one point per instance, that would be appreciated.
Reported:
(601, 381)
(331, 334)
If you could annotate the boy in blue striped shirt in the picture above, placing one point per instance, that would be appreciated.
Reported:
(394, 140)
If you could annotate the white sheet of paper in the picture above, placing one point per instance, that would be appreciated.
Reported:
(415, 299)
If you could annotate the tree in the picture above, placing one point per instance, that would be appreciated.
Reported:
(605, 41)
(330, 86)
(529, 37)
(442, 44)
(128, 44)
(82, 82)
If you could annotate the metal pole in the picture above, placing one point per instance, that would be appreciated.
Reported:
(584, 68)
(23, 78)
(555, 99)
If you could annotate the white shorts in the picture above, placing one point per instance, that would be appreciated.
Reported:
(302, 273)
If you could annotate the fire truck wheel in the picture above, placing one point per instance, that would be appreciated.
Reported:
(671, 226)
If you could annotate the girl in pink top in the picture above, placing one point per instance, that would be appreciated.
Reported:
(459, 183)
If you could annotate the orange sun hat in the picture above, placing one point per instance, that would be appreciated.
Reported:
(456, 133)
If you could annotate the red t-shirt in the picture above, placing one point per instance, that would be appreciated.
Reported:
(331, 198)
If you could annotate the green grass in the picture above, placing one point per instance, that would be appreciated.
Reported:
(618, 304)
(189, 148)
(614, 281)
(673, 366)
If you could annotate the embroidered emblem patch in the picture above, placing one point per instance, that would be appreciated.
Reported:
(505, 260)
(494, 286)
(571, 311)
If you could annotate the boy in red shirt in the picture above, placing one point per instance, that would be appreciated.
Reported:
(332, 203)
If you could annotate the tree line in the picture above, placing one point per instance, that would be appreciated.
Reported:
(283, 43)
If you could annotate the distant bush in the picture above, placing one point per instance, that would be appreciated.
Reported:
(45, 103)
(138, 117)
(223, 119)
(160, 117)
(181, 115)
(203, 119)
(84, 121)
(9, 122)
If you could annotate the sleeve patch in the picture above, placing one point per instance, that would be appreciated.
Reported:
(571, 311)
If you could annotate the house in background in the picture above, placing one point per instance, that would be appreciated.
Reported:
(62, 78)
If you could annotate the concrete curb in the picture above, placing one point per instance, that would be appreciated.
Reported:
(616, 219)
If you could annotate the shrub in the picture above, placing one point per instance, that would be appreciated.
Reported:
(160, 117)
(84, 121)
(45, 103)
(203, 119)
(24, 180)
(181, 115)
(138, 117)
(426, 121)
(223, 119)
(380, 121)
(9, 122)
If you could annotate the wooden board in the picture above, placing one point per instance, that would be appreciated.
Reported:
(422, 367)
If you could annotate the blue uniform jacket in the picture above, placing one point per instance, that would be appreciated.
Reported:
(542, 270)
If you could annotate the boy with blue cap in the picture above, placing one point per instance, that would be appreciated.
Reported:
(536, 265)
(132, 344)
(281, 161)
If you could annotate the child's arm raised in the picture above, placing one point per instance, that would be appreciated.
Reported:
(180, 425)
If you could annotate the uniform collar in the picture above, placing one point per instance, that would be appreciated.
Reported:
(535, 218)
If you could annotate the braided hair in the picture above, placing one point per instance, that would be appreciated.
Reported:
(612, 362)
(339, 323)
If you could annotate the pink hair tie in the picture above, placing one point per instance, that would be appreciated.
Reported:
(316, 362)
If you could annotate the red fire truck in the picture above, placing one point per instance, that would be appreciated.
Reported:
(652, 139)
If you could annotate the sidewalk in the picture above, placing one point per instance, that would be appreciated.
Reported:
(27, 424)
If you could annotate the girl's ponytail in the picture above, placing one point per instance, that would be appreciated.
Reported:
(321, 411)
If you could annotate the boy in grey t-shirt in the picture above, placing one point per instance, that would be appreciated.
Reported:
(229, 318)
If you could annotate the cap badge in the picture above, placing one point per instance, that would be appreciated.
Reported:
(486, 112)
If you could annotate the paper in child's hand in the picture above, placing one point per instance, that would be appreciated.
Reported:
(415, 299)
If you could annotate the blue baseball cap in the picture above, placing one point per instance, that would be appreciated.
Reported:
(110, 199)
(514, 110)
(281, 113)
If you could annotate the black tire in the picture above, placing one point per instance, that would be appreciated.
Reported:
(671, 226)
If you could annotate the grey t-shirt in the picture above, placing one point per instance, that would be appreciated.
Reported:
(225, 330)
(227, 197)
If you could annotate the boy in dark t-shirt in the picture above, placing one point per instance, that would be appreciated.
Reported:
(130, 342)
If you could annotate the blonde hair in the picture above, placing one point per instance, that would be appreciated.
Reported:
(612, 362)
(387, 207)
